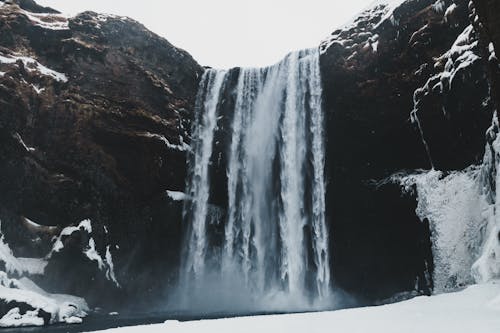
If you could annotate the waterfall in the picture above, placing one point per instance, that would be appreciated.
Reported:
(275, 237)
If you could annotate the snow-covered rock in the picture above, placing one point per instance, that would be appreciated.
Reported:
(56, 308)
(43, 308)
(32, 65)
(104, 264)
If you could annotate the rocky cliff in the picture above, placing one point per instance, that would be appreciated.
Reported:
(407, 86)
(94, 124)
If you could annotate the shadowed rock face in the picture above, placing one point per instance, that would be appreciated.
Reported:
(94, 123)
(371, 71)
(95, 117)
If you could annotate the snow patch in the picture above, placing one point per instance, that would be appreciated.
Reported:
(32, 65)
(459, 57)
(48, 21)
(37, 89)
(373, 16)
(19, 266)
(61, 308)
(91, 252)
(439, 6)
(390, 7)
(58, 244)
(449, 11)
(177, 196)
(491, 49)
(182, 146)
(110, 269)
(14, 318)
(18, 137)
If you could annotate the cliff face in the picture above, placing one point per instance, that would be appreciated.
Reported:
(94, 124)
(405, 87)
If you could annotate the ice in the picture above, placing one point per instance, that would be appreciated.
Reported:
(456, 209)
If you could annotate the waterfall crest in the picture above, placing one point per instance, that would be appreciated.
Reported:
(273, 236)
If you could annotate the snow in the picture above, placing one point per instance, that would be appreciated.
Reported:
(110, 270)
(449, 11)
(21, 141)
(19, 265)
(491, 49)
(459, 57)
(33, 266)
(91, 252)
(180, 147)
(58, 244)
(475, 309)
(33, 65)
(14, 318)
(177, 196)
(439, 6)
(390, 7)
(62, 308)
(37, 89)
(48, 21)
(374, 15)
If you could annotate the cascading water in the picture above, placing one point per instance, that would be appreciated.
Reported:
(275, 238)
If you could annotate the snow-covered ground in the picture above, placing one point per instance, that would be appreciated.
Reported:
(475, 309)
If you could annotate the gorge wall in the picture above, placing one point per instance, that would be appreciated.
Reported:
(95, 124)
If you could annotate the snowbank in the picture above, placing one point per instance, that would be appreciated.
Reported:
(42, 307)
(475, 309)
(59, 308)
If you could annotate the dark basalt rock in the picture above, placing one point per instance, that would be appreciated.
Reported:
(105, 145)
(379, 247)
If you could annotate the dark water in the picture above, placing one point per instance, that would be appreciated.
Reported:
(96, 322)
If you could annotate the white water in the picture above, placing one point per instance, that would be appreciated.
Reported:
(275, 238)
(205, 123)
